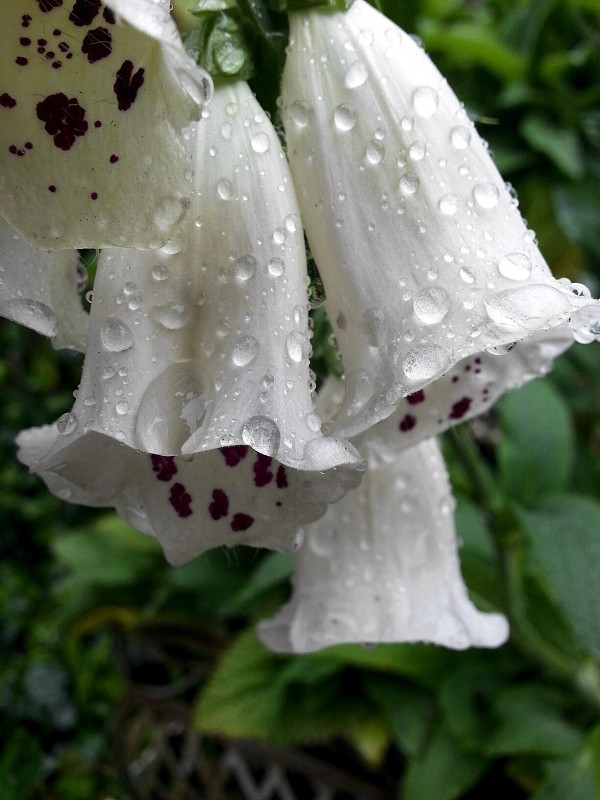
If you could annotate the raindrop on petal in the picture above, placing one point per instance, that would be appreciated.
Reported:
(245, 267)
(425, 101)
(356, 75)
(344, 118)
(244, 351)
(448, 204)
(425, 362)
(262, 434)
(298, 346)
(115, 335)
(67, 423)
(515, 267)
(431, 305)
(485, 195)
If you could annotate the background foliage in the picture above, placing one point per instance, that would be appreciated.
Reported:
(123, 677)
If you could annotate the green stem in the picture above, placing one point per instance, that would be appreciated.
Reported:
(184, 19)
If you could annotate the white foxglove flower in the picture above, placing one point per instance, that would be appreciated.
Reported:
(382, 565)
(93, 100)
(204, 345)
(424, 256)
(39, 290)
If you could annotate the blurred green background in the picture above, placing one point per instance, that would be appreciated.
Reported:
(123, 677)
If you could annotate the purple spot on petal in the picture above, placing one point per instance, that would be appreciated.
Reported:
(97, 45)
(21, 61)
(241, 522)
(460, 408)
(262, 473)
(416, 397)
(113, 159)
(281, 479)
(407, 423)
(127, 84)
(84, 12)
(455, 379)
(219, 507)
(93, 195)
(64, 119)
(233, 455)
(25, 41)
(109, 16)
(25, 20)
(52, 189)
(164, 466)
(48, 5)
(6, 101)
(180, 500)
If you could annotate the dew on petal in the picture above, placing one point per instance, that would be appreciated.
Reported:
(530, 307)
(467, 275)
(417, 151)
(425, 362)
(344, 118)
(244, 268)
(431, 305)
(425, 101)
(515, 267)
(260, 142)
(409, 183)
(115, 335)
(375, 152)
(297, 346)
(262, 434)
(67, 423)
(160, 272)
(356, 75)
(486, 195)
(244, 351)
(448, 205)
(276, 267)
(172, 316)
(122, 407)
(224, 189)
(460, 137)
(301, 113)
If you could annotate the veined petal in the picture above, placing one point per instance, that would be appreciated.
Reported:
(92, 104)
(423, 253)
(382, 566)
(205, 343)
(39, 289)
(224, 497)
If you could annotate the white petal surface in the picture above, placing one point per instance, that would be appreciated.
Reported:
(224, 497)
(205, 343)
(422, 250)
(92, 105)
(39, 289)
(382, 566)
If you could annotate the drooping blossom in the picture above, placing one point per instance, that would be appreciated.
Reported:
(425, 258)
(200, 351)
(93, 99)
(382, 565)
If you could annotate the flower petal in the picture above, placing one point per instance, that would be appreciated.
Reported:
(424, 256)
(223, 497)
(91, 110)
(382, 566)
(205, 343)
(39, 289)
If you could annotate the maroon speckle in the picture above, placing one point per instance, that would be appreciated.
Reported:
(25, 20)
(241, 522)
(84, 12)
(164, 466)
(69, 55)
(48, 5)
(460, 408)
(50, 55)
(25, 41)
(455, 379)
(97, 124)
(113, 159)
(42, 42)
(281, 478)
(56, 32)
(6, 101)
(13, 149)
(109, 16)
(52, 189)
(97, 45)
(127, 84)
(219, 507)
(63, 47)
(21, 61)
(233, 455)
(416, 397)
(279, 503)
(28, 146)
(468, 368)
(180, 500)
(407, 423)
(64, 119)
(477, 360)
(262, 473)
(56, 64)
(93, 195)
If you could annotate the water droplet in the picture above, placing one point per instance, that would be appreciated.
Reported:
(344, 118)
(160, 272)
(278, 236)
(531, 307)
(172, 316)
(226, 130)
(356, 75)
(448, 204)
(276, 267)
(417, 151)
(122, 408)
(115, 335)
(375, 152)
(224, 189)
(134, 303)
(292, 223)
(407, 123)
(67, 423)
(467, 275)
(515, 267)
(485, 195)
(409, 183)
(129, 288)
(170, 212)
(425, 101)
(425, 362)
(314, 422)
(260, 142)
(262, 434)
(244, 268)
(298, 346)
(244, 351)
(301, 113)
(431, 305)
(460, 137)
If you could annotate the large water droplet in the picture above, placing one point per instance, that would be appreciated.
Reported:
(356, 75)
(115, 336)
(172, 316)
(301, 113)
(467, 275)
(448, 204)
(375, 152)
(344, 118)
(298, 346)
(485, 195)
(262, 434)
(409, 183)
(260, 142)
(425, 362)
(417, 151)
(532, 307)
(460, 137)
(224, 189)
(276, 267)
(425, 101)
(515, 267)
(67, 423)
(160, 272)
(244, 351)
(244, 268)
(431, 305)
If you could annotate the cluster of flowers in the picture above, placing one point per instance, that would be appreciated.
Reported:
(196, 416)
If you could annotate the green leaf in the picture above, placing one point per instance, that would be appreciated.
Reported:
(576, 778)
(272, 570)
(577, 209)
(561, 145)
(407, 709)
(535, 454)
(442, 771)
(564, 535)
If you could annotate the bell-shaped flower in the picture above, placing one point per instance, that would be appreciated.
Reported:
(39, 290)
(425, 258)
(204, 345)
(382, 564)
(93, 100)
